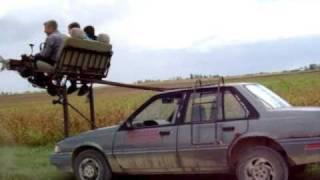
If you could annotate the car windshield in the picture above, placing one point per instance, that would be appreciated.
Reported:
(267, 97)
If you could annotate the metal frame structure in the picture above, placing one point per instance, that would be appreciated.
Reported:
(63, 98)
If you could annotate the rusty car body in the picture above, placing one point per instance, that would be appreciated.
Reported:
(241, 128)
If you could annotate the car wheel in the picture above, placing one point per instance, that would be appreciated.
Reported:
(261, 163)
(91, 165)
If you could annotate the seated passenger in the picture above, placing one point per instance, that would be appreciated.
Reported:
(45, 60)
(76, 32)
(39, 67)
(73, 25)
(90, 32)
(104, 38)
(84, 89)
(49, 54)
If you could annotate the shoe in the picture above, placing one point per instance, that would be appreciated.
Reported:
(52, 90)
(73, 88)
(37, 82)
(25, 72)
(84, 89)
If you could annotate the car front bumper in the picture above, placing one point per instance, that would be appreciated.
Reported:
(63, 161)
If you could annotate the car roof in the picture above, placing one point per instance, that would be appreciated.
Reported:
(186, 89)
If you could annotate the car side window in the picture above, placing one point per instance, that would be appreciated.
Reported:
(158, 113)
(233, 107)
(202, 107)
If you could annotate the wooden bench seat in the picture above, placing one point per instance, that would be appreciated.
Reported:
(84, 59)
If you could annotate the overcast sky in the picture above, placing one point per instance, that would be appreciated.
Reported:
(160, 39)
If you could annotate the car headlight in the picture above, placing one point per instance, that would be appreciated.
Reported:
(57, 149)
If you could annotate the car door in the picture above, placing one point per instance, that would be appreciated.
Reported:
(197, 144)
(149, 145)
(236, 114)
(204, 136)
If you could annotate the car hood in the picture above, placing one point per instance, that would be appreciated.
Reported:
(100, 131)
(101, 138)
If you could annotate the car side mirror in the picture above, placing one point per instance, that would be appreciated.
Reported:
(128, 125)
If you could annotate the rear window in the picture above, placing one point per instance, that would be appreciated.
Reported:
(267, 97)
(233, 107)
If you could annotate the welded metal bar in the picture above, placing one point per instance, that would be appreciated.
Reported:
(126, 85)
(65, 111)
(148, 88)
(80, 113)
(92, 110)
(219, 106)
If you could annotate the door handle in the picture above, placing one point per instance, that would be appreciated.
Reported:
(164, 133)
(228, 128)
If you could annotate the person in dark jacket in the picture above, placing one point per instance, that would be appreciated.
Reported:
(89, 30)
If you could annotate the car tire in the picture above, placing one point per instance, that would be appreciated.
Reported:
(261, 163)
(91, 165)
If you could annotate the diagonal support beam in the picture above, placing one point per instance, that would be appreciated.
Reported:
(112, 83)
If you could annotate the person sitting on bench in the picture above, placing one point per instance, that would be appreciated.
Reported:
(90, 32)
(37, 68)
(49, 54)
(104, 38)
(75, 32)
(44, 61)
